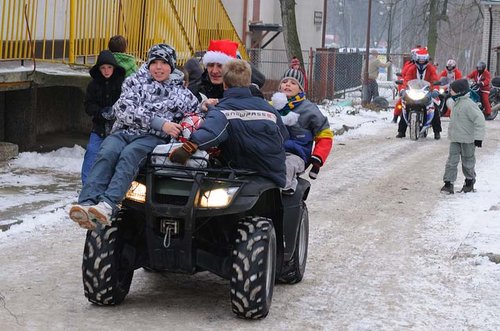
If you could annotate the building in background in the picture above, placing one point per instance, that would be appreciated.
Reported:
(491, 27)
(247, 15)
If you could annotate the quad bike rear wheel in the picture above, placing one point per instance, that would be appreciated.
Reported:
(293, 270)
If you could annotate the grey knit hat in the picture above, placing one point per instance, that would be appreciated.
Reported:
(162, 52)
(460, 86)
(295, 75)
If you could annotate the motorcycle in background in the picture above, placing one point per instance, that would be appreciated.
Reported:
(494, 97)
(414, 102)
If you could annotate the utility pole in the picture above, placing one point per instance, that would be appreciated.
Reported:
(392, 9)
(365, 73)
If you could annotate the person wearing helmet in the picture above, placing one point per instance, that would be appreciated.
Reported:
(451, 71)
(424, 70)
(482, 77)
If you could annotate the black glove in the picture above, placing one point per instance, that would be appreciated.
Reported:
(478, 143)
(316, 165)
(183, 153)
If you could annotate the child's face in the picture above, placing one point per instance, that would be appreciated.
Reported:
(160, 70)
(290, 87)
(452, 92)
(106, 70)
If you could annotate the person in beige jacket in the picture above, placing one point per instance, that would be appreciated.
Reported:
(465, 132)
(370, 90)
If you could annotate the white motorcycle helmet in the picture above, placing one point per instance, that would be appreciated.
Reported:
(451, 65)
(422, 58)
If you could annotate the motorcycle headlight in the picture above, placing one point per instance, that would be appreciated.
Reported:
(416, 95)
(216, 198)
(136, 192)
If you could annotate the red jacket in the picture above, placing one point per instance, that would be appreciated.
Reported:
(430, 75)
(458, 73)
(483, 80)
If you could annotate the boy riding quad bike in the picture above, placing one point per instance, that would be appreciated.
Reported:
(230, 222)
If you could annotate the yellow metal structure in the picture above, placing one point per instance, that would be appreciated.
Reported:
(75, 31)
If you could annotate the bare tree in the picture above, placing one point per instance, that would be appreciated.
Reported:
(292, 42)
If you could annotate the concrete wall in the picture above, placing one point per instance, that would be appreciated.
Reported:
(27, 115)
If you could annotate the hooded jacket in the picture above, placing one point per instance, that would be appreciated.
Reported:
(102, 93)
(146, 104)
(466, 121)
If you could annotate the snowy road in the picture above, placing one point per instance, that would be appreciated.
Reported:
(379, 258)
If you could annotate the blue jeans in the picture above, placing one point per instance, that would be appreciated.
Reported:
(117, 164)
(95, 142)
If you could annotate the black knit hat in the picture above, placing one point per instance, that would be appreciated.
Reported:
(295, 75)
(162, 52)
(460, 86)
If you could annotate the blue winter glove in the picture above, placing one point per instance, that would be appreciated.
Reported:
(316, 163)
(434, 94)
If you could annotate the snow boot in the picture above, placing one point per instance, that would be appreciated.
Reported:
(401, 135)
(437, 135)
(468, 186)
(447, 188)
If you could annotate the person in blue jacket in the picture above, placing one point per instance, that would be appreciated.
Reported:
(247, 129)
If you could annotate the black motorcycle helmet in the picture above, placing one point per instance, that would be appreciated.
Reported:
(481, 66)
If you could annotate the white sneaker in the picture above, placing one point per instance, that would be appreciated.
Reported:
(79, 214)
(101, 213)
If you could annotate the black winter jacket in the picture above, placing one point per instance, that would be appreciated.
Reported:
(249, 132)
(102, 93)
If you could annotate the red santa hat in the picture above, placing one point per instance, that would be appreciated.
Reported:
(220, 51)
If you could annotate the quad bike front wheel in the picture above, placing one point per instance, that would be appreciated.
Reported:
(253, 268)
(106, 280)
(293, 270)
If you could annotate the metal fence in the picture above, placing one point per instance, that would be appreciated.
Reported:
(330, 74)
(75, 31)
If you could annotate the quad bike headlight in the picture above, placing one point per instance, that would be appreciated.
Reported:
(136, 192)
(217, 198)
(416, 95)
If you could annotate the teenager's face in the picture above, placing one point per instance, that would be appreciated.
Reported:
(160, 70)
(106, 70)
(215, 73)
(290, 87)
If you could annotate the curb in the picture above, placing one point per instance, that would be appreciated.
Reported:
(8, 151)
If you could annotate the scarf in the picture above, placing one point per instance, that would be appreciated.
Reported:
(292, 103)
